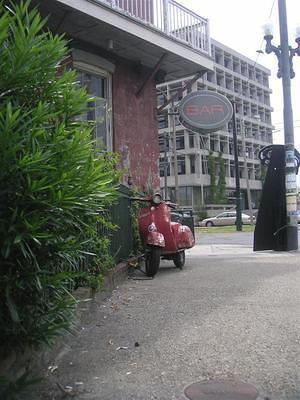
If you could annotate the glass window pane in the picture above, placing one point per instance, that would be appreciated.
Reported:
(96, 86)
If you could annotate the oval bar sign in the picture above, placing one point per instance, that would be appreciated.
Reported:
(205, 111)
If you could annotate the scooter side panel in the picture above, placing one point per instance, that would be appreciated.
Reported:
(185, 238)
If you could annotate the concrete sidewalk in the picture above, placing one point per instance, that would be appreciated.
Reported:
(229, 314)
(220, 250)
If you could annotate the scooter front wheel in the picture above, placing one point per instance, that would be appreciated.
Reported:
(152, 260)
(179, 259)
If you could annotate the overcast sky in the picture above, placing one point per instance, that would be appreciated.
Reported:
(238, 24)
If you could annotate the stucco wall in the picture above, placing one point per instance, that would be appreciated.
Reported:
(135, 126)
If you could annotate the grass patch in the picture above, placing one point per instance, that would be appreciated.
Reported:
(222, 229)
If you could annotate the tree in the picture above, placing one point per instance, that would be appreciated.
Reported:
(221, 189)
(212, 173)
(53, 188)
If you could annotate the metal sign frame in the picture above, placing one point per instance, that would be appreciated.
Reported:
(208, 111)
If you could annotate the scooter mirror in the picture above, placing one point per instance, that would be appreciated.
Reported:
(157, 199)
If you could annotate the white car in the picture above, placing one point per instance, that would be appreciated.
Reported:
(226, 218)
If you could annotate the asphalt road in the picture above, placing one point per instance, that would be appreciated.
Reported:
(230, 314)
(241, 238)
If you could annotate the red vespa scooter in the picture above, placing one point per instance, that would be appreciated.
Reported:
(162, 238)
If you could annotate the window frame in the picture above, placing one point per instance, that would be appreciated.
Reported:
(82, 66)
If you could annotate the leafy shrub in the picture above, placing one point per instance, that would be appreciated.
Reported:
(213, 178)
(202, 214)
(135, 206)
(221, 188)
(53, 188)
(20, 389)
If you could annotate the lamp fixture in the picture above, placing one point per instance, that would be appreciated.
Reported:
(285, 53)
(268, 36)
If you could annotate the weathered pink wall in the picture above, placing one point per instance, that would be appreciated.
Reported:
(135, 126)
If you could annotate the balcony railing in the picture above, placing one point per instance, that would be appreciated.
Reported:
(168, 17)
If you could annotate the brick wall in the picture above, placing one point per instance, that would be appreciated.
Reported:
(135, 126)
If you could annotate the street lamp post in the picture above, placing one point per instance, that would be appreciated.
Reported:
(285, 54)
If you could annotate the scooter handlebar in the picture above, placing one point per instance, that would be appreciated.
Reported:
(141, 198)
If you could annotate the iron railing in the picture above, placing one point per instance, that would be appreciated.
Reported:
(168, 17)
(121, 238)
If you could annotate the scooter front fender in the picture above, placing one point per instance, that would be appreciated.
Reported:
(155, 239)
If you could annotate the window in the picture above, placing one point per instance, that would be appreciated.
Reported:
(222, 147)
(232, 169)
(174, 89)
(161, 98)
(181, 165)
(191, 141)
(180, 142)
(185, 194)
(218, 58)
(192, 163)
(231, 214)
(164, 144)
(162, 121)
(200, 86)
(204, 167)
(98, 85)
(163, 165)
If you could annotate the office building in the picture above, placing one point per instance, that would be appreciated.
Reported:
(203, 161)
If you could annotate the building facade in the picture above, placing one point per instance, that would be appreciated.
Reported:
(121, 50)
(205, 163)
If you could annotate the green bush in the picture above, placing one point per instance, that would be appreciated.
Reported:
(221, 188)
(213, 179)
(202, 214)
(19, 389)
(53, 188)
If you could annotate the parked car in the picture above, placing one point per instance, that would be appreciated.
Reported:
(183, 217)
(226, 218)
(179, 216)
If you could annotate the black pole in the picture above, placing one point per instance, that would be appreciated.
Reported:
(290, 165)
(166, 142)
(237, 172)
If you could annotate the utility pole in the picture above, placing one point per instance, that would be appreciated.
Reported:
(285, 54)
(166, 164)
(290, 165)
(200, 171)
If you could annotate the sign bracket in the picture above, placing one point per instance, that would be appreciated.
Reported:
(180, 91)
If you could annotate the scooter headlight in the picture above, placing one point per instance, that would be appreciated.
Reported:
(157, 199)
(152, 227)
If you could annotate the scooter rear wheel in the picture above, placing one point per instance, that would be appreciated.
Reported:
(179, 259)
(152, 260)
